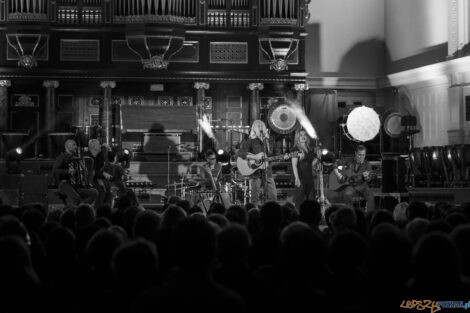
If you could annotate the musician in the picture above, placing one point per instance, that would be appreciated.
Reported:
(256, 147)
(104, 171)
(357, 184)
(303, 167)
(72, 176)
(213, 168)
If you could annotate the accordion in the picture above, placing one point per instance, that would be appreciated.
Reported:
(82, 172)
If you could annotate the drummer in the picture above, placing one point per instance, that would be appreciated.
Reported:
(213, 170)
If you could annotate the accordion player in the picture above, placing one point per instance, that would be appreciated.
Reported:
(74, 176)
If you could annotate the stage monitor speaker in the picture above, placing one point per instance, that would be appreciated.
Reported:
(34, 188)
(393, 174)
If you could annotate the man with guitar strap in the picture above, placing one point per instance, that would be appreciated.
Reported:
(255, 148)
(354, 179)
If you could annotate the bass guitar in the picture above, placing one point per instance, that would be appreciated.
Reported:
(349, 178)
(247, 167)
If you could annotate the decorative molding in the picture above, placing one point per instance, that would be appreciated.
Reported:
(184, 101)
(136, 101)
(5, 83)
(155, 63)
(25, 100)
(300, 87)
(165, 101)
(201, 85)
(450, 72)
(228, 52)
(50, 83)
(108, 83)
(80, 50)
(256, 86)
(343, 82)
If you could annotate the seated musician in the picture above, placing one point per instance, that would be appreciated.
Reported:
(356, 178)
(73, 176)
(107, 174)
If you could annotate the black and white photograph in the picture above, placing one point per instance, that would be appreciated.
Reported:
(234, 156)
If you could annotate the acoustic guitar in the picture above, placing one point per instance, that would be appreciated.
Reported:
(247, 167)
(349, 178)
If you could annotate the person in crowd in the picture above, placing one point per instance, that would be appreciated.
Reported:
(72, 175)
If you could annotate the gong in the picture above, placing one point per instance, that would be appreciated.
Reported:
(282, 119)
(392, 125)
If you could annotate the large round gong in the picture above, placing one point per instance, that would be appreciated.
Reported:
(392, 125)
(282, 119)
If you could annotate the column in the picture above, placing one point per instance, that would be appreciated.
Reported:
(4, 84)
(105, 111)
(300, 92)
(201, 88)
(117, 127)
(50, 86)
(254, 101)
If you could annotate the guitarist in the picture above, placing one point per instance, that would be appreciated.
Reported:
(303, 166)
(255, 147)
(360, 170)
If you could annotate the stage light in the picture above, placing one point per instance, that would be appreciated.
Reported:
(223, 157)
(327, 156)
(13, 161)
(124, 157)
(363, 124)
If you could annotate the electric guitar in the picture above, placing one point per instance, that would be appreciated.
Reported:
(247, 167)
(349, 178)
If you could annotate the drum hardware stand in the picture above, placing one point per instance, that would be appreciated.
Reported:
(265, 177)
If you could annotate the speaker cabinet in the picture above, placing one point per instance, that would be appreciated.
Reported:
(393, 174)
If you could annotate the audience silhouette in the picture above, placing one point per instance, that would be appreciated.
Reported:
(237, 259)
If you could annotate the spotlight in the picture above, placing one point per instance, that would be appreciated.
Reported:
(223, 157)
(327, 157)
(13, 161)
(124, 157)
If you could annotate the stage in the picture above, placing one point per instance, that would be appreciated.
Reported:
(148, 180)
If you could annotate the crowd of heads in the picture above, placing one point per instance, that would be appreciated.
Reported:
(237, 259)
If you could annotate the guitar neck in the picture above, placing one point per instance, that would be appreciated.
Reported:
(279, 157)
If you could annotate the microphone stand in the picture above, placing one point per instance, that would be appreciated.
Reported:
(265, 174)
(168, 167)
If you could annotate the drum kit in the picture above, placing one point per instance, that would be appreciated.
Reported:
(232, 189)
